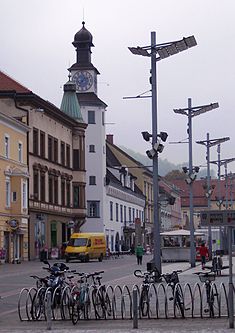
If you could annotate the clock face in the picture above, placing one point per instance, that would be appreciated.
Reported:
(83, 80)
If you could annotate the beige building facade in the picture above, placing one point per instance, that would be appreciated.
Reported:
(56, 161)
(14, 189)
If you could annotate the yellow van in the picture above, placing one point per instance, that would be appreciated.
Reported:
(86, 246)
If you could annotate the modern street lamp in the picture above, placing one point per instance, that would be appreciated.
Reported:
(210, 143)
(158, 52)
(191, 112)
(220, 199)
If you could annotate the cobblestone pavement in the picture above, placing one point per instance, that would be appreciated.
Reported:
(205, 325)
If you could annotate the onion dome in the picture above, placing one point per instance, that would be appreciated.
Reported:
(83, 36)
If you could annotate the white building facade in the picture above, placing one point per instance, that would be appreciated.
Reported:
(84, 75)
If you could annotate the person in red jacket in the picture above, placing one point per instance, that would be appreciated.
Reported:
(203, 253)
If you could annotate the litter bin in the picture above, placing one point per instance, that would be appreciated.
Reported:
(43, 255)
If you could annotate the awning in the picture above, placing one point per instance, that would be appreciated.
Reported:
(180, 232)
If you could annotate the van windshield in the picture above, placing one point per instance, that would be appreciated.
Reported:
(77, 242)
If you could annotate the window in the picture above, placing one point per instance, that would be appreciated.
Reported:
(14, 196)
(7, 143)
(56, 190)
(42, 186)
(130, 215)
(103, 118)
(8, 192)
(117, 212)
(76, 197)
(91, 117)
(62, 153)
(62, 192)
(68, 156)
(35, 141)
(55, 150)
(68, 193)
(50, 189)
(42, 144)
(93, 208)
(121, 213)
(111, 210)
(92, 180)
(76, 160)
(133, 214)
(92, 149)
(35, 184)
(20, 152)
(50, 148)
(24, 196)
(124, 213)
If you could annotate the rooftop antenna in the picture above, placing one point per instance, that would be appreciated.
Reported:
(83, 15)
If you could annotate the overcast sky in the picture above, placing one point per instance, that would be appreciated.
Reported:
(36, 49)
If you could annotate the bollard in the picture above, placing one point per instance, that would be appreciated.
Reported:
(135, 308)
(48, 310)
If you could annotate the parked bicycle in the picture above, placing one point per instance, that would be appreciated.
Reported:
(144, 302)
(100, 299)
(211, 295)
(172, 279)
(81, 304)
(54, 283)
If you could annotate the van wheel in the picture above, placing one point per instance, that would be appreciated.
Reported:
(101, 257)
(87, 258)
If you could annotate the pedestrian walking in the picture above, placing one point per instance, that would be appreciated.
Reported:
(139, 251)
(203, 253)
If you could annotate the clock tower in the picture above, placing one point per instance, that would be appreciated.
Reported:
(93, 109)
(84, 74)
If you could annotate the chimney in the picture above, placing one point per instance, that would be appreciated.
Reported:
(109, 138)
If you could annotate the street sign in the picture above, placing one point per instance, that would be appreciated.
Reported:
(218, 218)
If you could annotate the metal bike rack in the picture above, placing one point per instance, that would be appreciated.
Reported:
(162, 303)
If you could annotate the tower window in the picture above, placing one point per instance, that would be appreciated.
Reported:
(91, 117)
(92, 148)
(92, 180)
(93, 208)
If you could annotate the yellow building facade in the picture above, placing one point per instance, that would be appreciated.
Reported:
(14, 190)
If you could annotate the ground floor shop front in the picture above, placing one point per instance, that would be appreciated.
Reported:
(49, 234)
(13, 239)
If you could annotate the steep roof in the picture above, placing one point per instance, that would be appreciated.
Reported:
(8, 84)
(199, 193)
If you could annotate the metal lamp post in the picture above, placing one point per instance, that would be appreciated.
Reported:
(220, 200)
(163, 51)
(210, 143)
(191, 112)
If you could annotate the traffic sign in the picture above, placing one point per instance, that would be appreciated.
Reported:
(218, 218)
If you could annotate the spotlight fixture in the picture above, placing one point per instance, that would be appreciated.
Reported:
(146, 135)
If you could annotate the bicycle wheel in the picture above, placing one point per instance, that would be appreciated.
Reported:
(75, 313)
(211, 304)
(66, 304)
(38, 305)
(144, 302)
(107, 304)
(97, 304)
(87, 307)
(56, 304)
(178, 302)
